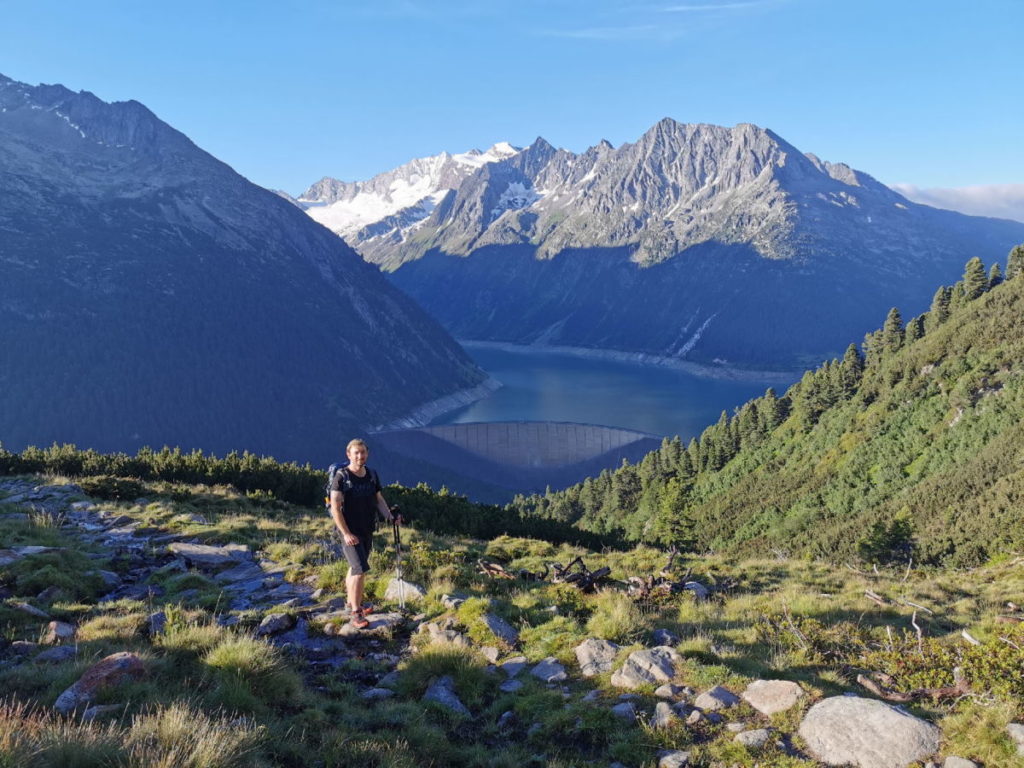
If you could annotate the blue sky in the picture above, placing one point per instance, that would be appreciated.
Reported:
(925, 93)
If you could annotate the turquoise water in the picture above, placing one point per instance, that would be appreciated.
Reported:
(543, 386)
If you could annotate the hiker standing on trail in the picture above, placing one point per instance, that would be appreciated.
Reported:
(355, 501)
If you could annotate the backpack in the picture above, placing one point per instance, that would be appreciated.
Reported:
(334, 469)
(331, 472)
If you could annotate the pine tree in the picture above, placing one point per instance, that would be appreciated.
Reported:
(1015, 262)
(851, 369)
(975, 279)
(915, 329)
(892, 331)
(995, 276)
(939, 312)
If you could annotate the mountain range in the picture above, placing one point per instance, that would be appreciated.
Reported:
(151, 295)
(700, 243)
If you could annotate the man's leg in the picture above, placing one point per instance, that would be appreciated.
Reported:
(354, 587)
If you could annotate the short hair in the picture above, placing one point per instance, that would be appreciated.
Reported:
(357, 443)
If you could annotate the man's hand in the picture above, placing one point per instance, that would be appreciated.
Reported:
(350, 539)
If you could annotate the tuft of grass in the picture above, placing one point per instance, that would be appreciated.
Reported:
(183, 736)
(243, 663)
(977, 731)
(466, 667)
(111, 627)
(616, 617)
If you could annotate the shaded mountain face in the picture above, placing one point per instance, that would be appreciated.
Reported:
(698, 242)
(151, 295)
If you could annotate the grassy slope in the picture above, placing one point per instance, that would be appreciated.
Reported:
(203, 676)
(935, 430)
(932, 432)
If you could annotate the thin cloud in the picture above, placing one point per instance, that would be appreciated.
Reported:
(1002, 201)
(713, 7)
(634, 32)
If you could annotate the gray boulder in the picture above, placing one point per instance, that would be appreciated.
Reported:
(849, 730)
(58, 655)
(654, 665)
(106, 673)
(673, 758)
(625, 711)
(511, 686)
(514, 666)
(207, 556)
(715, 699)
(501, 629)
(596, 656)
(373, 694)
(756, 739)
(442, 692)
(672, 691)
(399, 590)
(958, 762)
(549, 671)
(664, 637)
(58, 632)
(771, 696)
(663, 717)
(1016, 732)
(275, 623)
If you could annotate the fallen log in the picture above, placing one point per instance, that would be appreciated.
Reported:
(880, 688)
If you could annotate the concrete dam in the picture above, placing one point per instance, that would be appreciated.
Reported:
(520, 456)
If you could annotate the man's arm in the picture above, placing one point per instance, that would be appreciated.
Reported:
(383, 508)
(337, 513)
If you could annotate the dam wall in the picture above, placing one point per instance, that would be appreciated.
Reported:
(521, 457)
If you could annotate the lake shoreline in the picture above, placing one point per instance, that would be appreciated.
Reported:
(719, 373)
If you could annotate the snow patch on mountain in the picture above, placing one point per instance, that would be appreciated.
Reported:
(517, 195)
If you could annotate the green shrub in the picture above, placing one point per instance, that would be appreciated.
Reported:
(557, 637)
(110, 488)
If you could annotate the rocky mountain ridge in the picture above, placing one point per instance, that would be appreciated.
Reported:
(696, 242)
(180, 304)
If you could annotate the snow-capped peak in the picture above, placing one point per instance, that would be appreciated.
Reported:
(409, 192)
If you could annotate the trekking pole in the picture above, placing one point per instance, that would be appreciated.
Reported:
(395, 518)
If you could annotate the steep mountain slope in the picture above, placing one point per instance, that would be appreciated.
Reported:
(151, 295)
(922, 439)
(697, 242)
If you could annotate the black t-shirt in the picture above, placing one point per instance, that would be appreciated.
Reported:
(360, 493)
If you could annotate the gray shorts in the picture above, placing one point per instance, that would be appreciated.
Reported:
(358, 557)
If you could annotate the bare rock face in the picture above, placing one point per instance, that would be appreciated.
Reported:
(771, 696)
(106, 673)
(848, 730)
(596, 656)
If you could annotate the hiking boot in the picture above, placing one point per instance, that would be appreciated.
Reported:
(358, 621)
(364, 609)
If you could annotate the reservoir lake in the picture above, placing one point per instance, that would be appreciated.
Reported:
(555, 386)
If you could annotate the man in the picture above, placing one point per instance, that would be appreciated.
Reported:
(355, 501)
